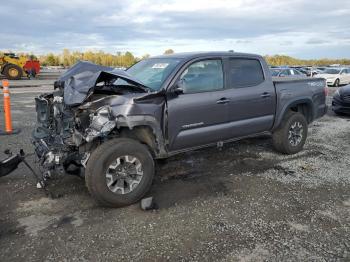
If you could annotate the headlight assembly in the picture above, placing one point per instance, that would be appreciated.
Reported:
(102, 122)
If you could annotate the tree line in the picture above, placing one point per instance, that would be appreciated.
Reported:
(68, 58)
(281, 60)
(125, 59)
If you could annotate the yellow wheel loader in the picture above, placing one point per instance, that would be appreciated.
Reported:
(14, 67)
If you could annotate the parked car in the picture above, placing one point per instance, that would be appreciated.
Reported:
(336, 76)
(321, 68)
(310, 71)
(286, 72)
(341, 100)
(113, 124)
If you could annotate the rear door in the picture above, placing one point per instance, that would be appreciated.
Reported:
(198, 116)
(252, 96)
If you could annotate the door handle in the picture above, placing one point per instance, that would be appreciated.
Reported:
(223, 100)
(265, 94)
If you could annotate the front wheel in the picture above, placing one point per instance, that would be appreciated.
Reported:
(119, 172)
(13, 72)
(290, 137)
(336, 83)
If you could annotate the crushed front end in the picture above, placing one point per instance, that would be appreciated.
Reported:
(58, 136)
(74, 119)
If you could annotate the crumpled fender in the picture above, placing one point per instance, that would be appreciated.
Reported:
(145, 120)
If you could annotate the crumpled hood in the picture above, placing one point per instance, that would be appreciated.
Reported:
(79, 81)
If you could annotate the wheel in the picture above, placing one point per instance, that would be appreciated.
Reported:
(336, 82)
(290, 137)
(119, 172)
(13, 72)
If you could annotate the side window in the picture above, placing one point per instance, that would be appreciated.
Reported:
(285, 72)
(296, 72)
(202, 76)
(244, 72)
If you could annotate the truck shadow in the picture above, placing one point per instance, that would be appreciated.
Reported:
(209, 172)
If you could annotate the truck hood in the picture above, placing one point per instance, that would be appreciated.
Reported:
(81, 79)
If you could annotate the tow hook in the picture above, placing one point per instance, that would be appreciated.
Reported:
(11, 163)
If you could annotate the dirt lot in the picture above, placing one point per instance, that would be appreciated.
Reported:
(242, 203)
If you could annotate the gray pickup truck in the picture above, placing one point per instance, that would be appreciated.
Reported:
(109, 125)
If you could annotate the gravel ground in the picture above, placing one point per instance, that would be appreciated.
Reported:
(244, 202)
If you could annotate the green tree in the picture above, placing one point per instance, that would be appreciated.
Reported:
(66, 57)
(51, 60)
(168, 51)
(145, 56)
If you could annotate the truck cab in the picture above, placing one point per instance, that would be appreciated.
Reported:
(219, 97)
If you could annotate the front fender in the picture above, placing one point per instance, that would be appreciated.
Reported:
(145, 120)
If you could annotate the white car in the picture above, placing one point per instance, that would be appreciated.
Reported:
(336, 76)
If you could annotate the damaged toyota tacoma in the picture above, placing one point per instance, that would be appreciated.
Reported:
(109, 126)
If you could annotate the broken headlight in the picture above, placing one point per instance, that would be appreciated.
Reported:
(101, 123)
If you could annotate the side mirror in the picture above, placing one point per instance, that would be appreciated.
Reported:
(177, 88)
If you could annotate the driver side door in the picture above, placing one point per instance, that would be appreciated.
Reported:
(198, 115)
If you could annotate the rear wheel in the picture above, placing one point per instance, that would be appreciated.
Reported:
(290, 137)
(13, 72)
(119, 172)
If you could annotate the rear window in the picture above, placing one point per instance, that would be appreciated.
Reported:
(245, 72)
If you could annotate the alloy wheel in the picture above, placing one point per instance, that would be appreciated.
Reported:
(124, 174)
(295, 133)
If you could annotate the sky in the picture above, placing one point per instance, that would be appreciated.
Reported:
(299, 28)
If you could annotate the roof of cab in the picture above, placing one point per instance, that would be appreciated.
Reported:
(190, 55)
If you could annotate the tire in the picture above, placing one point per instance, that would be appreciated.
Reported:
(101, 160)
(336, 82)
(13, 72)
(281, 139)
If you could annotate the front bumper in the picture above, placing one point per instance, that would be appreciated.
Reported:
(9, 164)
(330, 82)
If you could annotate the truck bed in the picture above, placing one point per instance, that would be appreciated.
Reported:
(312, 91)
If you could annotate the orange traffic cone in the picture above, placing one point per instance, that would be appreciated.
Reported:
(7, 110)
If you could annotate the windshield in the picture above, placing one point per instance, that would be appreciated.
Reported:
(152, 72)
(332, 71)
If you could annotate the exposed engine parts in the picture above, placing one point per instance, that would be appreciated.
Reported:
(85, 109)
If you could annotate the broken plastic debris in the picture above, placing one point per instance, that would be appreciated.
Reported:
(148, 204)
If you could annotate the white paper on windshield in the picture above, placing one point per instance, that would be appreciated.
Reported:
(160, 65)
